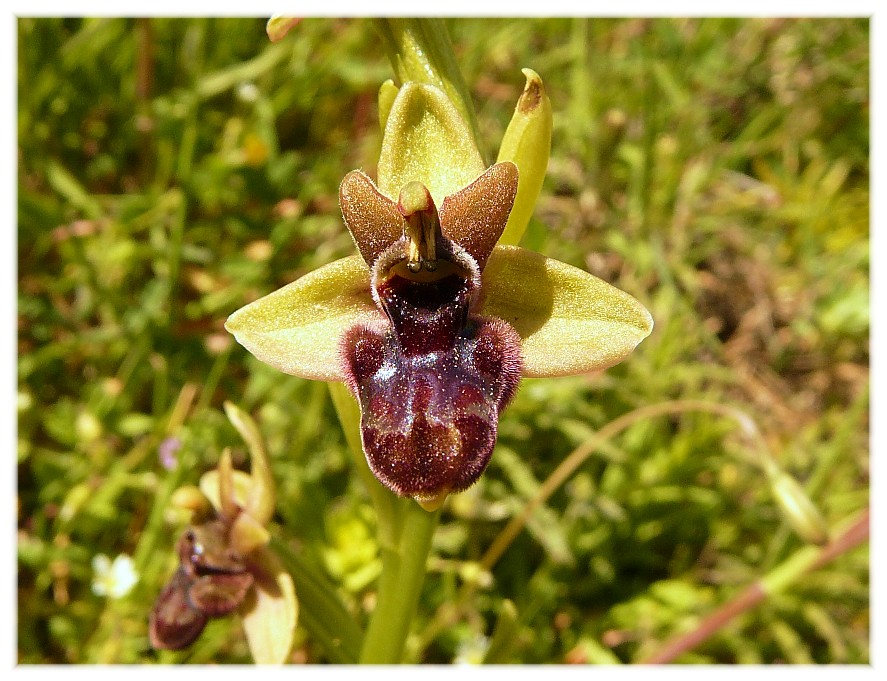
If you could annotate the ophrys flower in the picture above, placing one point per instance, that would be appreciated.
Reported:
(433, 324)
(225, 563)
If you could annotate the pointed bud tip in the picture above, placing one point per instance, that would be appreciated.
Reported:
(190, 498)
(278, 26)
(800, 511)
(533, 93)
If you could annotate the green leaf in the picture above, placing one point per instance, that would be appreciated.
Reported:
(543, 525)
(322, 614)
(569, 321)
(70, 189)
(296, 329)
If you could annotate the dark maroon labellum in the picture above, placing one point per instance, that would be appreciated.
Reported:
(433, 380)
(174, 622)
(211, 581)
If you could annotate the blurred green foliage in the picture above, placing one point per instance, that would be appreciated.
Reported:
(171, 170)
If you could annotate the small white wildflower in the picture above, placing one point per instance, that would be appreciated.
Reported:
(248, 92)
(114, 580)
(472, 650)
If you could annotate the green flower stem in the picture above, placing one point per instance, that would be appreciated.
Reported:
(405, 531)
(403, 571)
(420, 50)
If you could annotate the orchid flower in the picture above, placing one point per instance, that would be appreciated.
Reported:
(433, 323)
(225, 565)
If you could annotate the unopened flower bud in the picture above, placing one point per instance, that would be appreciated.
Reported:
(799, 510)
(527, 143)
(190, 498)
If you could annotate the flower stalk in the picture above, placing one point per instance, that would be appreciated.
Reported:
(403, 571)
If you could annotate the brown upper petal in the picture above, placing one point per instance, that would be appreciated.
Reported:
(371, 217)
(475, 217)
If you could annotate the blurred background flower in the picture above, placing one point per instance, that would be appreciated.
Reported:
(113, 579)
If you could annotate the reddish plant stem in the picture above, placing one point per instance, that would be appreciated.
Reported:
(855, 535)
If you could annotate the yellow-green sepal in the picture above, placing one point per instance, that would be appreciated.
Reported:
(527, 144)
(261, 497)
(296, 329)
(271, 610)
(426, 140)
(210, 484)
(569, 321)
